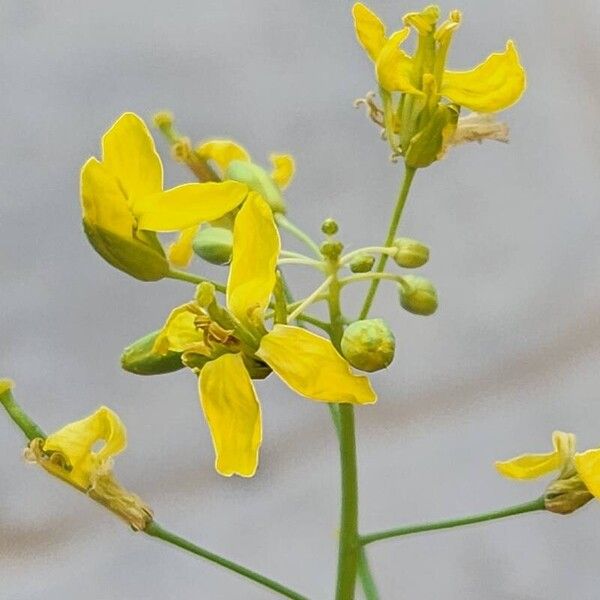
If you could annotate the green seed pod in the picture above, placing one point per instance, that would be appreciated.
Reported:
(410, 253)
(214, 245)
(368, 345)
(329, 227)
(139, 358)
(258, 180)
(418, 295)
(362, 263)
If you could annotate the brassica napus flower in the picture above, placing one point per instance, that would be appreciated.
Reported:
(423, 80)
(123, 201)
(234, 162)
(71, 454)
(578, 472)
(306, 362)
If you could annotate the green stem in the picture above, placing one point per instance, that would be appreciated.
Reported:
(282, 221)
(409, 174)
(23, 422)
(349, 544)
(191, 278)
(518, 509)
(314, 321)
(366, 578)
(155, 530)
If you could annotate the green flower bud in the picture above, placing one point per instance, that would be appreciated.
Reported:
(410, 253)
(258, 180)
(418, 295)
(139, 358)
(368, 345)
(331, 249)
(214, 245)
(329, 227)
(362, 263)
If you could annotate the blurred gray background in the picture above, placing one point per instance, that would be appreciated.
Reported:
(511, 354)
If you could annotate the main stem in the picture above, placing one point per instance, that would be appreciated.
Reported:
(518, 509)
(409, 174)
(349, 547)
(155, 530)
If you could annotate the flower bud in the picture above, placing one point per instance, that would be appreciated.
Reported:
(329, 227)
(418, 295)
(214, 245)
(410, 253)
(332, 250)
(141, 359)
(362, 263)
(368, 345)
(258, 180)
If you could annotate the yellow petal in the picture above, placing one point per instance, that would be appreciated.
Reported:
(128, 152)
(394, 67)
(76, 443)
(103, 202)
(312, 367)
(180, 252)
(370, 31)
(110, 226)
(283, 169)
(222, 152)
(256, 248)
(232, 412)
(532, 466)
(564, 444)
(188, 205)
(180, 334)
(493, 85)
(588, 468)
(423, 21)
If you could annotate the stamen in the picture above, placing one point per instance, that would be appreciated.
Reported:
(374, 112)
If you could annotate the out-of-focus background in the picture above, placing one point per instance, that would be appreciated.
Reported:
(512, 353)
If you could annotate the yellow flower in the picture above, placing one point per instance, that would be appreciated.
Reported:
(306, 362)
(123, 201)
(422, 81)
(224, 153)
(579, 472)
(72, 454)
(491, 86)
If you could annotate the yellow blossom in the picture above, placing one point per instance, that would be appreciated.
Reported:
(491, 86)
(578, 472)
(306, 362)
(423, 80)
(123, 201)
(234, 163)
(72, 454)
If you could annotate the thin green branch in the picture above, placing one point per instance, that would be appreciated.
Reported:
(31, 430)
(157, 531)
(191, 278)
(518, 509)
(365, 576)
(286, 224)
(409, 174)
